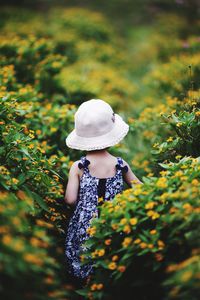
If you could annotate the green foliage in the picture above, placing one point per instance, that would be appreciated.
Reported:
(146, 240)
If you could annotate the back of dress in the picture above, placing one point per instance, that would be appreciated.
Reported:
(86, 209)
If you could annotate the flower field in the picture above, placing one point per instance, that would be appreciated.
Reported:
(146, 242)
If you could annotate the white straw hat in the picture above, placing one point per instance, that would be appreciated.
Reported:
(96, 127)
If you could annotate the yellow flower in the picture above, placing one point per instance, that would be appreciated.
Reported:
(115, 257)
(19, 246)
(137, 241)
(153, 231)
(150, 174)
(63, 159)
(112, 266)
(137, 190)
(127, 229)
(155, 145)
(94, 254)
(188, 207)
(38, 131)
(7, 239)
(114, 226)
(178, 156)
(133, 221)
(195, 182)
(161, 244)
(162, 182)
(154, 215)
(170, 139)
(91, 230)
(70, 163)
(178, 173)
(130, 120)
(93, 287)
(15, 180)
(123, 221)
(163, 173)
(32, 258)
(126, 242)
(143, 245)
(101, 252)
(31, 146)
(82, 258)
(4, 170)
(150, 205)
(53, 129)
(100, 199)
(99, 286)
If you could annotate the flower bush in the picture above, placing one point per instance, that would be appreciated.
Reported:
(26, 242)
(144, 234)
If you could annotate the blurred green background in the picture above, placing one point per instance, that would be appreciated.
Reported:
(143, 58)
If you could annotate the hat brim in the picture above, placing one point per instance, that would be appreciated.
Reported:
(111, 138)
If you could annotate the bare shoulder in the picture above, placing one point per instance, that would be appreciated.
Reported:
(74, 167)
(125, 163)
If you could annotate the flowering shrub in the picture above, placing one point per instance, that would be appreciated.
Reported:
(144, 234)
(37, 113)
(145, 242)
(26, 244)
(89, 79)
(33, 60)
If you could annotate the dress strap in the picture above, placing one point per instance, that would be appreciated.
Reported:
(120, 166)
(83, 162)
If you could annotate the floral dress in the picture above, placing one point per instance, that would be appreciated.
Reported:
(86, 209)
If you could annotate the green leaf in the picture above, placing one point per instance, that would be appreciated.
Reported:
(57, 174)
(2, 150)
(38, 199)
(22, 178)
(127, 255)
(82, 292)
(165, 166)
(25, 151)
(5, 185)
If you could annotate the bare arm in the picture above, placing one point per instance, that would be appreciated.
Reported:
(72, 188)
(129, 177)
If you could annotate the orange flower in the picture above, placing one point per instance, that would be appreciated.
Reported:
(108, 242)
(99, 286)
(112, 266)
(115, 257)
(143, 245)
(137, 241)
(126, 242)
(133, 221)
(121, 268)
(127, 229)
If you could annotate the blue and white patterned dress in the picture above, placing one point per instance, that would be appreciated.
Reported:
(86, 208)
